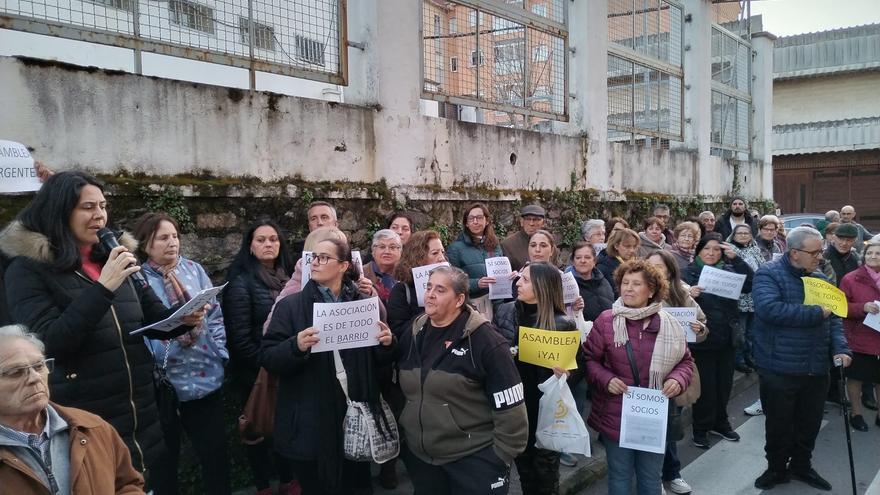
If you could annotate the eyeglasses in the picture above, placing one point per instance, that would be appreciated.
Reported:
(476, 218)
(323, 259)
(771, 228)
(814, 254)
(45, 366)
(383, 247)
(744, 233)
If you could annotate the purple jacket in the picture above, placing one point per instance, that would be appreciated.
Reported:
(606, 361)
(860, 288)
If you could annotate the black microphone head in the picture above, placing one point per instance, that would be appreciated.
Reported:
(107, 238)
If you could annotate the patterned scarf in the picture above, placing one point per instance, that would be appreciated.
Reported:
(670, 344)
(177, 294)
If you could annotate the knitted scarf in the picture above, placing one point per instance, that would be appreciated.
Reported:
(670, 344)
(177, 294)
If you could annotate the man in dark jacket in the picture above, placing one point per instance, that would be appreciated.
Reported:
(792, 342)
(840, 253)
(516, 245)
(738, 214)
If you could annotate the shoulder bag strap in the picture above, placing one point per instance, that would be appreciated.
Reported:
(632, 364)
(340, 373)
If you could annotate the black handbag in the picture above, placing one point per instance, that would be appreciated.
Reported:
(166, 396)
(674, 427)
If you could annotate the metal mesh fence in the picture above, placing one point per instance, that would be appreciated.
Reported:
(293, 37)
(506, 59)
(731, 94)
(645, 77)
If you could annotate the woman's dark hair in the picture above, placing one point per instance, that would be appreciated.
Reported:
(652, 275)
(49, 213)
(580, 245)
(490, 240)
(711, 236)
(245, 262)
(677, 295)
(145, 228)
(343, 253)
(651, 221)
(617, 239)
(547, 286)
(400, 214)
(609, 225)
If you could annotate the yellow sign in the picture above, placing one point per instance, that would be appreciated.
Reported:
(549, 348)
(821, 293)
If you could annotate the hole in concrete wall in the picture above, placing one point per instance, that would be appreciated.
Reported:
(513, 158)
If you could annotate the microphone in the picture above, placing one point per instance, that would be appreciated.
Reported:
(108, 239)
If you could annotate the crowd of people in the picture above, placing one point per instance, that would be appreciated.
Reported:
(448, 367)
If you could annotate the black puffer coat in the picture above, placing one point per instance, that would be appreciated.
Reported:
(246, 305)
(99, 366)
(606, 264)
(722, 314)
(597, 293)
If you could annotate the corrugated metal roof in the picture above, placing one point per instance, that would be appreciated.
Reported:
(827, 52)
(819, 137)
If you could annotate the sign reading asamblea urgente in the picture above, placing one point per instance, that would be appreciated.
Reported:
(17, 172)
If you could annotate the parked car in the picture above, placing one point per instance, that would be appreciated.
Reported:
(797, 219)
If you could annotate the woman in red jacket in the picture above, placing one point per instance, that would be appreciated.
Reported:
(862, 289)
(662, 360)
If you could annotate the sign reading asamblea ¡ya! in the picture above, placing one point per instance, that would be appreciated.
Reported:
(549, 348)
(17, 172)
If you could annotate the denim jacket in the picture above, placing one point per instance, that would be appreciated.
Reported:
(197, 370)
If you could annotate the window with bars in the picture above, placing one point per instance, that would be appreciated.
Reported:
(645, 72)
(192, 15)
(127, 5)
(264, 36)
(731, 94)
(309, 50)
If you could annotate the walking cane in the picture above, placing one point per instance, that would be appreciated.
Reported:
(838, 362)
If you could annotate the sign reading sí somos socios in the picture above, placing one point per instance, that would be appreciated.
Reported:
(549, 348)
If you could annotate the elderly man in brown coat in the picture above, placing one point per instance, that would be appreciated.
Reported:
(46, 448)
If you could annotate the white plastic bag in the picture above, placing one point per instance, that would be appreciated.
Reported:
(560, 426)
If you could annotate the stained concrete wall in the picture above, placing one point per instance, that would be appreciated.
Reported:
(107, 121)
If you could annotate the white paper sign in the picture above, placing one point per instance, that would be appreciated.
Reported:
(17, 172)
(643, 420)
(346, 325)
(873, 320)
(420, 279)
(176, 319)
(776, 256)
(685, 317)
(500, 269)
(721, 283)
(307, 267)
(358, 262)
(570, 289)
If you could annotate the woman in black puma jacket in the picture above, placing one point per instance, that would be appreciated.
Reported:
(78, 298)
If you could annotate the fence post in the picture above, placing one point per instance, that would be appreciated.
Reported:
(136, 31)
(252, 73)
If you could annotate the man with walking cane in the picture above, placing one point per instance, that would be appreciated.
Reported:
(791, 347)
(838, 362)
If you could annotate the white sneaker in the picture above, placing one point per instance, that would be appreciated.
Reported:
(679, 485)
(755, 409)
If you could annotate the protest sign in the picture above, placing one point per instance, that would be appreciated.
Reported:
(685, 317)
(873, 319)
(500, 269)
(358, 262)
(570, 289)
(821, 293)
(346, 325)
(643, 420)
(176, 319)
(721, 282)
(420, 279)
(776, 256)
(307, 267)
(17, 172)
(549, 348)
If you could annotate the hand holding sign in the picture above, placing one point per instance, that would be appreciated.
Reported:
(721, 283)
(346, 325)
(820, 293)
(499, 270)
(872, 316)
(570, 289)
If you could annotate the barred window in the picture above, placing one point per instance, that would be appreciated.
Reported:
(309, 50)
(127, 5)
(264, 36)
(192, 15)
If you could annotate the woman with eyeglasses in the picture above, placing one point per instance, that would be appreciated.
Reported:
(538, 305)
(193, 361)
(476, 242)
(716, 356)
(79, 297)
(311, 403)
(686, 236)
(257, 275)
(768, 241)
(386, 251)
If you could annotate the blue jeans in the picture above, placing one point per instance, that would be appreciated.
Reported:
(622, 463)
(671, 462)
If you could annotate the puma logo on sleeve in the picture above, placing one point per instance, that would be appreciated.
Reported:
(509, 397)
